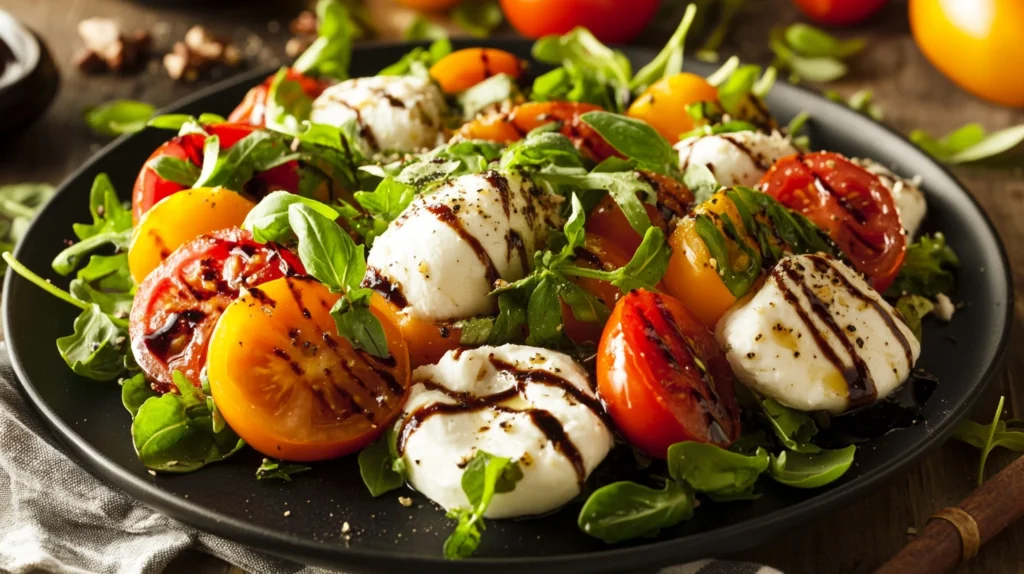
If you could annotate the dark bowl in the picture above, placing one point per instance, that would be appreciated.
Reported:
(225, 498)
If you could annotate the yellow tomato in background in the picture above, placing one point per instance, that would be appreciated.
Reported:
(663, 104)
(429, 5)
(979, 44)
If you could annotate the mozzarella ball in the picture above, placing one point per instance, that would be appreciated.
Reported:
(738, 158)
(444, 253)
(818, 337)
(392, 113)
(548, 423)
(906, 194)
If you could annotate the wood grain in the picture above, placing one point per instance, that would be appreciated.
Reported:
(856, 539)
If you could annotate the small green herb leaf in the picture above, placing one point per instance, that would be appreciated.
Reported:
(331, 53)
(478, 17)
(624, 510)
(176, 170)
(710, 469)
(485, 476)
(999, 433)
(927, 268)
(268, 221)
(423, 28)
(326, 251)
(287, 104)
(669, 60)
(793, 428)
(418, 61)
(97, 348)
(811, 470)
(376, 466)
(119, 117)
(914, 308)
(270, 469)
(636, 140)
(816, 43)
(356, 323)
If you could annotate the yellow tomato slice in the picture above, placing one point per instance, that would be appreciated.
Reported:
(466, 68)
(180, 218)
(663, 104)
(290, 386)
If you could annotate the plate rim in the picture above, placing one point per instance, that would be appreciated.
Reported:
(305, 550)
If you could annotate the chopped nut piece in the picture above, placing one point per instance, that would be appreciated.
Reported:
(405, 501)
(176, 62)
(101, 35)
(345, 528)
(107, 48)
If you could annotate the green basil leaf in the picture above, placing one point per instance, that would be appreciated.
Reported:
(510, 324)
(816, 43)
(914, 308)
(811, 470)
(927, 268)
(699, 179)
(287, 106)
(478, 17)
(585, 307)
(648, 264)
(493, 90)
(711, 469)
(994, 144)
(485, 476)
(326, 251)
(476, 331)
(96, 349)
(270, 469)
(170, 436)
(418, 61)
(669, 60)
(795, 429)
(119, 117)
(176, 170)
(258, 151)
(107, 210)
(423, 28)
(331, 53)
(624, 510)
(389, 200)
(268, 221)
(136, 391)
(574, 85)
(544, 314)
(170, 121)
(636, 140)
(356, 323)
(738, 86)
(738, 279)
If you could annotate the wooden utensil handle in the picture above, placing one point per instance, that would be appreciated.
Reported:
(954, 534)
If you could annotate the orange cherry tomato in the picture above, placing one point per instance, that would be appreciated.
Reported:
(840, 12)
(177, 306)
(427, 342)
(254, 105)
(290, 386)
(975, 43)
(429, 5)
(692, 278)
(849, 203)
(597, 253)
(662, 376)
(663, 104)
(607, 220)
(507, 127)
(466, 68)
(612, 21)
(181, 218)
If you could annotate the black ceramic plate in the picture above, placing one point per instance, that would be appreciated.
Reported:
(225, 498)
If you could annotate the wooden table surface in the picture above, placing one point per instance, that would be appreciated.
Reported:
(911, 92)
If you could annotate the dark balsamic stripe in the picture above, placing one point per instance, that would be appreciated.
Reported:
(445, 215)
(390, 290)
(553, 430)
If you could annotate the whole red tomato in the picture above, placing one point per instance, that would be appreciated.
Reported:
(839, 12)
(612, 21)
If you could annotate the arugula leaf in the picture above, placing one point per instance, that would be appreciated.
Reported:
(113, 303)
(1008, 434)
(811, 470)
(287, 106)
(822, 60)
(816, 43)
(478, 17)
(543, 314)
(173, 169)
(493, 90)
(119, 117)
(573, 85)
(624, 188)
(331, 53)
(968, 143)
(256, 152)
(636, 140)
(713, 470)
(485, 476)
(97, 348)
(174, 432)
(418, 61)
(624, 510)
(270, 468)
(541, 149)
(861, 101)
(19, 204)
(268, 221)
(422, 28)
(914, 308)
(376, 466)
(135, 392)
(669, 60)
(742, 84)
(178, 122)
(644, 270)
(795, 429)
(580, 50)
(108, 273)
(927, 268)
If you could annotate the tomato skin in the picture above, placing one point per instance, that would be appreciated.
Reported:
(649, 379)
(427, 342)
(251, 110)
(973, 44)
(176, 307)
(466, 68)
(840, 12)
(508, 127)
(849, 203)
(150, 188)
(611, 21)
(673, 199)
(692, 279)
(663, 103)
(294, 389)
(597, 253)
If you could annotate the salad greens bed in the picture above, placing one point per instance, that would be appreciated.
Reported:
(183, 431)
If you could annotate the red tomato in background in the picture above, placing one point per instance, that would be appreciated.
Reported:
(849, 203)
(975, 43)
(179, 303)
(612, 21)
(151, 188)
(251, 110)
(840, 12)
(662, 376)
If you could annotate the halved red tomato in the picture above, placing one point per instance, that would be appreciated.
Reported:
(662, 376)
(151, 188)
(511, 126)
(849, 203)
(251, 110)
(596, 253)
(178, 304)
(294, 389)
